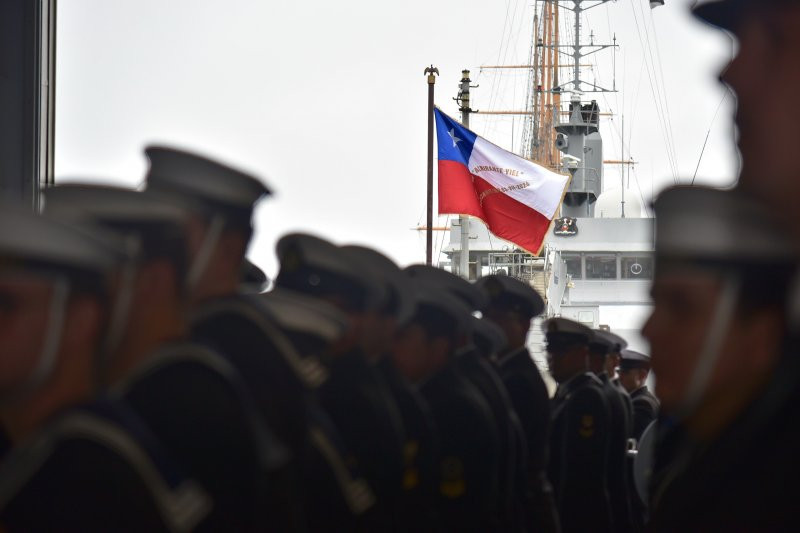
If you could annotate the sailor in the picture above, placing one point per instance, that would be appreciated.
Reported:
(612, 363)
(423, 352)
(220, 201)
(613, 360)
(80, 464)
(511, 306)
(192, 398)
(602, 343)
(416, 511)
(355, 394)
(727, 437)
(483, 376)
(581, 430)
(634, 370)
(768, 48)
(334, 491)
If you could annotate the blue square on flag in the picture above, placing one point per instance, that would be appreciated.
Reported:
(454, 140)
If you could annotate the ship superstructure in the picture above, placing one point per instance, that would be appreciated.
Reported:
(597, 262)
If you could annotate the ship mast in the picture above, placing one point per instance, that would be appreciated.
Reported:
(579, 138)
(463, 106)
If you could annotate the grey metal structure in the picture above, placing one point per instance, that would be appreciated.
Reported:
(579, 136)
(27, 98)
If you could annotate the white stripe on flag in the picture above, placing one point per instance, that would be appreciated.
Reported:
(528, 183)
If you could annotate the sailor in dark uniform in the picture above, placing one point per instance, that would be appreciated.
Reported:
(613, 359)
(511, 306)
(484, 377)
(334, 491)
(190, 397)
(604, 342)
(424, 353)
(489, 341)
(634, 369)
(416, 510)
(220, 201)
(355, 394)
(79, 464)
(581, 431)
(726, 367)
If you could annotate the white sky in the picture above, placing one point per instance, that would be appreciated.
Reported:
(327, 100)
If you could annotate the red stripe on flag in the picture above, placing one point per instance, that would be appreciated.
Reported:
(462, 193)
(457, 194)
(510, 219)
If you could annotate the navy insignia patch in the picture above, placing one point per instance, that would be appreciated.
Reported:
(587, 426)
(565, 227)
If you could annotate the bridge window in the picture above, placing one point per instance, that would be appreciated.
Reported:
(637, 267)
(601, 267)
(574, 266)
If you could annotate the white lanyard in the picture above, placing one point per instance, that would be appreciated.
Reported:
(717, 332)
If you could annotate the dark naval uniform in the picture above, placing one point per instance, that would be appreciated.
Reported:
(96, 468)
(618, 468)
(336, 496)
(356, 398)
(578, 446)
(354, 394)
(468, 452)
(742, 475)
(240, 328)
(331, 484)
(528, 392)
(746, 479)
(513, 302)
(282, 381)
(416, 510)
(480, 374)
(645, 410)
(196, 404)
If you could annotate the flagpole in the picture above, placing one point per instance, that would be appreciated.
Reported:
(431, 72)
(463, 99)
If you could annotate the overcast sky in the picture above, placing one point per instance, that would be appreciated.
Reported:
(327, 100)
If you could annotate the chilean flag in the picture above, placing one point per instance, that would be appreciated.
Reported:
(516, 198)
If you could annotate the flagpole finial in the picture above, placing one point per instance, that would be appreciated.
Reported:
(432, 72)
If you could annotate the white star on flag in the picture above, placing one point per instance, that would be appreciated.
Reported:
(452, 134)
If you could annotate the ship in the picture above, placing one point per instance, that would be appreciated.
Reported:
(596, 265)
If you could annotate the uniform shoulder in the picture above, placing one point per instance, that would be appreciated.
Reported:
(588, 389)
(185, 358)
(645, 399)
(241, 310)
(73, 463)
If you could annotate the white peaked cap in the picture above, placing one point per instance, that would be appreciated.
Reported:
(386, 271)
(76, 201)
(701, 223)
(30, 237)
(560, 325)
(199, 177)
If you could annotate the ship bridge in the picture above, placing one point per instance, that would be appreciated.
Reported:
(599, 273)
